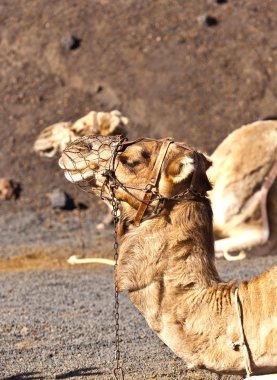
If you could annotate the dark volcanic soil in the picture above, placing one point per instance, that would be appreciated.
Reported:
(194, 70)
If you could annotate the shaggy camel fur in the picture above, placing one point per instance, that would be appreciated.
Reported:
(167, 263)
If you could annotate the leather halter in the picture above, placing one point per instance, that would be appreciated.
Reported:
(151, 189)
(153, 181)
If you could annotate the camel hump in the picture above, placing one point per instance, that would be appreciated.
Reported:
(246, 149)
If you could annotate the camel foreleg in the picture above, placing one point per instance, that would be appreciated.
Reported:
(243, 237)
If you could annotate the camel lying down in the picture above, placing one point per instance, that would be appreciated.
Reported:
(53, 139)
(243, 196)
(166, 257)
(241, 164)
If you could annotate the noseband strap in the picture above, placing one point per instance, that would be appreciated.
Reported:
(152, 184)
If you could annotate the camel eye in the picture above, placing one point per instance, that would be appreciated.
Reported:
(127, 162)
(146, 155)
(131, 164)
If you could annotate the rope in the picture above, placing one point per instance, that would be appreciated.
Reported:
(89, 260)
(268, 182)
(242, 342)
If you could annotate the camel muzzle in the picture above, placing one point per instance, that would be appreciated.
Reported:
(86, 160)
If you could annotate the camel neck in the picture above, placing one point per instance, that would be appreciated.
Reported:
(177, 246)
(191, 260)
(167, 265)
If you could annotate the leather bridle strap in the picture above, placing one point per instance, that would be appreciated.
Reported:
(152, 184)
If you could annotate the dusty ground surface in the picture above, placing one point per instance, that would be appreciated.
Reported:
(172, 75)
(58, 325)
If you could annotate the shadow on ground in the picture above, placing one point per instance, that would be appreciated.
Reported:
(80, 372)
(83, 372)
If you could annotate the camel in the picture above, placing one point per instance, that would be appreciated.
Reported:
(53, 139)
(240, 165)
(166, 257)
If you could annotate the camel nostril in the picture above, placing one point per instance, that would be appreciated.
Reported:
(94, 166)
(87, 146)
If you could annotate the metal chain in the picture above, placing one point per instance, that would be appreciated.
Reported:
(118, 370)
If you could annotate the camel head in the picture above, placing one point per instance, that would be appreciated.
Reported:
(55, 138)
(96, 163)
(102, 123)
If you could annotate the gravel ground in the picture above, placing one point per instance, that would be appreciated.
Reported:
(58, 324)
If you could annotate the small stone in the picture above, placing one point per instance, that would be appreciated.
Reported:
(99, 89)
(181, 40)
(70, 42)
(207, 20)
(24, 330)
(60, 199)
(9, 189)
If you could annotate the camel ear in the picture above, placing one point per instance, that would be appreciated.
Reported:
(199, 182)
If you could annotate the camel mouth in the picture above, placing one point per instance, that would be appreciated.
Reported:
(66, 162)
(78, 173)
(79, 177)
(48, 152)
(85, 160)
(45, 149)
